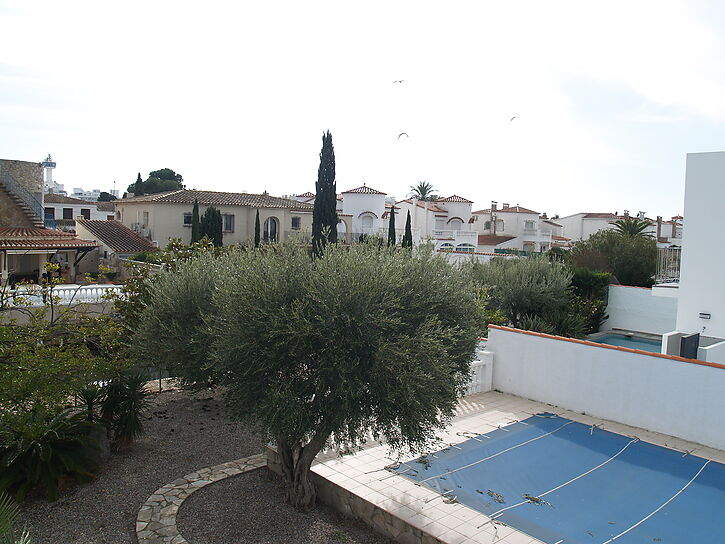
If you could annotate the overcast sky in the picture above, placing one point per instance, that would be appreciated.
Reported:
(608, 98)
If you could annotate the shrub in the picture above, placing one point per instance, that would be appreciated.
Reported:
(632, 259)
(41, 451)
(524, 286)
(9, 513)
(588, 283)
(126, 399)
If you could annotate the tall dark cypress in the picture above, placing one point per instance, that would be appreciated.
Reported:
(324, 215)
(195, 227)
(211, 225)
(138, 188)
(391, 227)
(408, 236)
(256, 230)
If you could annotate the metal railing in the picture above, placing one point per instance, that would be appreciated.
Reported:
(668, 265)
(14, 187)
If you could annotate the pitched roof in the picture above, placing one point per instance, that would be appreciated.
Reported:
(308, 194)
(560, 238)
(432, 207)
(493, 239)
(364, 190)
(509, 209)
(116, 235)
(552, 223)
(104, 206)
(38, 238)
(55, 198)
(605, 215)
(455, 198)
(217, 198)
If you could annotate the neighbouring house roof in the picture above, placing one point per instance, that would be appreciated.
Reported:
(560, 238)
(38, 238)
(493, 239)
(604, 215)
(216, 198)
(432, 207)
(54, 198)
(509, 209)
(552, 223)
(115, 235)
(105, 206)
(308, 194)
(455, 198)
(364, 190)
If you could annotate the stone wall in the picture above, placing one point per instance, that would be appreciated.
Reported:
(11, 215)
(28, 174)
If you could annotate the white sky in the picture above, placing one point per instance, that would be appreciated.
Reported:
(609, 96)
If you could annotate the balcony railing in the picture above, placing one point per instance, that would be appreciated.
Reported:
(21, 192)
(668, 265)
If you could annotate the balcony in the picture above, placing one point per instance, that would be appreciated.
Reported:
(460, 236)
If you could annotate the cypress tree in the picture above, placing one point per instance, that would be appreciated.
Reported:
(391, 227)
(195, 227)
(324, 214)
(408, 236)
(256, 230)
(211, 225)
(138, 188)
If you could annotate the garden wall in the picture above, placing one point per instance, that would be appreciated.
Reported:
(636, 309)
(662, 393)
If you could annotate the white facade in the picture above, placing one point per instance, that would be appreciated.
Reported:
(581, 226)
(447, 222)
(517, 222)
(366, 207)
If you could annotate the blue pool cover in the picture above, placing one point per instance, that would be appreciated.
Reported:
(564, 482)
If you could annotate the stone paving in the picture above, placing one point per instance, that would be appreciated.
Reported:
(156, 520)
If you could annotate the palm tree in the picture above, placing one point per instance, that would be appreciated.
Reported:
(632, 227)
(9, 513)
(423, 190)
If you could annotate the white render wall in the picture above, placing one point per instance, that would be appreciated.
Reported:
(358, 203)
(653, 392)
(703, 261)
(637, 309)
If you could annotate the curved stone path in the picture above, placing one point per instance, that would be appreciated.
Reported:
(156, 520)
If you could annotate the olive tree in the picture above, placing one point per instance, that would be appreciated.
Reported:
(326, 352)
(523, 287)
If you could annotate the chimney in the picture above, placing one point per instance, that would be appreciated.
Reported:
(493, 205)
(659, 227)
(626, 213)
(543, 216)
(640, 215)
(505, 205)
(674, 229)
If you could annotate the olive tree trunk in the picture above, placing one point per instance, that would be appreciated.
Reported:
(296, 462)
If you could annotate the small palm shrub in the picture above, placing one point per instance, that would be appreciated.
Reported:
(9, 513)
(125, 402)
(41, 452)
(92, 396)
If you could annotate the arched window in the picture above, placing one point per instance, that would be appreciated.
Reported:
(455, 223)
(466, 248)
(271, 230)
(341, 228)
(447, 247)
(367, 220)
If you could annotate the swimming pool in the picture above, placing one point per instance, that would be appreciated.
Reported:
(564, 482)
(632, 342)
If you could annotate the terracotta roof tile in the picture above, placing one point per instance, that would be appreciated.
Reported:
(421, 204)
(308, 194)
(38, 238)
(493, 239)
(509, 209)
(54, 198)
(364, 190)
(552, 223)
(115, 235)
(604, 215)
(455, 198)
(105, 206)
(216, 198)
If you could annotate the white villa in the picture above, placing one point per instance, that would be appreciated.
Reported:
(580, 226)
(62, 211)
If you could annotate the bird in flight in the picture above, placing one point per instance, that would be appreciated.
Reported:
(514, 117)
(399, 81)
(403, 134)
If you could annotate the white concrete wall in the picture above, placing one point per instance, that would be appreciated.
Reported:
(653, 392)
(701, 288)
(358, 203)
(637, 309)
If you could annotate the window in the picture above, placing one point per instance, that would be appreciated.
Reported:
(227, 222)
(67, 213)
(529, 225)
(487, 225)
(455, 224)
(118, 215)
(440, 224)
(367, 222)
(296, 223)
(271, 227)
(109, 217)
(145, 219)
(187, 219)
(466, 248)
(50, 213)
(86, 213)
(447, 247)
(499, 225)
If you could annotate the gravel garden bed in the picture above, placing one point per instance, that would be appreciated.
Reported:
(186, 431)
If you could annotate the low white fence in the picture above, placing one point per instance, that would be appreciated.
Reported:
(636, 309)
(657, 392)
(32, 295)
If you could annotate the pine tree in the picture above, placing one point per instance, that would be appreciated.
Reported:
(256, 230)
(138, 188)
(211, 225)
(391, 227)
(195, 226)
(408, 236)
(324, 214)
